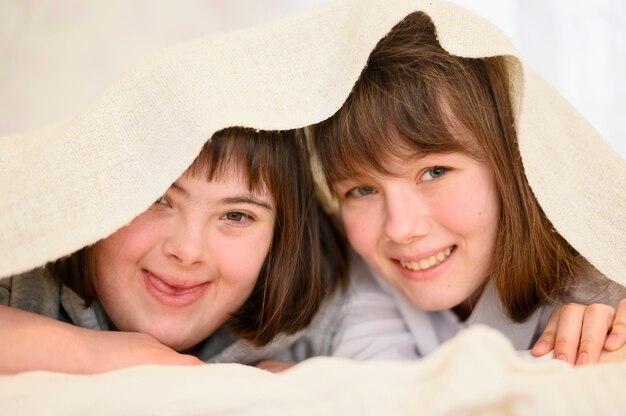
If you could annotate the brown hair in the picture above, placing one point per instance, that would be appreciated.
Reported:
(307, 257)
(415, 97)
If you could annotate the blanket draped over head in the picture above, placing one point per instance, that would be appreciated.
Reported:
(75, 182)
(78, 181)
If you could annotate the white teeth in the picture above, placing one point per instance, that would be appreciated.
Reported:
(424, 264)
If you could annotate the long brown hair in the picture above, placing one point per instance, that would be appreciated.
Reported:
(307, 259)
(415, 97)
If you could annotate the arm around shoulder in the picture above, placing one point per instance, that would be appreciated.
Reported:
(33, 342)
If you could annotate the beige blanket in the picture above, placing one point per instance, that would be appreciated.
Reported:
(476, 373)
(161, 112)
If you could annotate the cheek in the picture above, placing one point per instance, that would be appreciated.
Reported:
(238, 275)
(360, 229)
(137, 237)
(117, 256)
(473, 211)
(109, 256)
(109, 275)
(240, 260)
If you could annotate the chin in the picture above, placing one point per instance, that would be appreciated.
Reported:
(174, 337)
(434, 305)
(435, 308)
(178, 344)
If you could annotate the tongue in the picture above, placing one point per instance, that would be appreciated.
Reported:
(169, 290)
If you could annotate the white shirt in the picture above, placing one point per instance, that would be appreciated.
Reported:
(379, 322)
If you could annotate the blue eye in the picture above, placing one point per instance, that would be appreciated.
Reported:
(435, 172)
(360, 191)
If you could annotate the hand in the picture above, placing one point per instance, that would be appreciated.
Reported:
(578, 333)
(616, 356)
(36, 342)
(108, 350)
(617, 337)
(275, 366)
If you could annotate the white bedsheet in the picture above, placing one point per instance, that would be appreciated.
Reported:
(475, 373)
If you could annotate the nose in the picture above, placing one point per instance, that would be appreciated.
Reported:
(187, 242)
(406, 216)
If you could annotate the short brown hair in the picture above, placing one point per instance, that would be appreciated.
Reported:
(415, 97)
(307, 257)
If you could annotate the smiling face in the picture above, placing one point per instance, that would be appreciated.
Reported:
(181, 268)
(429, 230)
(415, 98)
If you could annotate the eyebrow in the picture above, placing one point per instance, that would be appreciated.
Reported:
(180, 190)
(237, 199)
(352, 179)
(246, 199)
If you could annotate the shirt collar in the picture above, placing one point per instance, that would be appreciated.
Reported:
(431, 329)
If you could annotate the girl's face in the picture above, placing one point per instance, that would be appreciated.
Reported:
(181, 268)
(430, 232)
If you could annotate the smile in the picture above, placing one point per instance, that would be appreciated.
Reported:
(173, 295)
(427, 263)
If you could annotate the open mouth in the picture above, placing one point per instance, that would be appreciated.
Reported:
(428, 263)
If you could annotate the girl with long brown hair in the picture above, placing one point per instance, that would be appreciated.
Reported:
(424, 162)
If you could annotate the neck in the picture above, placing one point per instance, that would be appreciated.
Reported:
(464, 309)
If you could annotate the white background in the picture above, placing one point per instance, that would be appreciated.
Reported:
(57, 55)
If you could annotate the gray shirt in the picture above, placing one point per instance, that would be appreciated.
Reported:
(36, 291)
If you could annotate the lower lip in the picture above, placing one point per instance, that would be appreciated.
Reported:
(183, 298)
(427, 274)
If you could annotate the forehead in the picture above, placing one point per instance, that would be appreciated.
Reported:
(392, 155)
(229, 171)
(192, 186)
(226, 158)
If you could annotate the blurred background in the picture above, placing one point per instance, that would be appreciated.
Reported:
(57, 55)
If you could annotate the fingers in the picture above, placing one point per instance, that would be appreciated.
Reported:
(275, 366)
(597, 321)
(569, 331)
(617, 356)
(190, 360)
(578, 333)
(545, 343)
(617, 337)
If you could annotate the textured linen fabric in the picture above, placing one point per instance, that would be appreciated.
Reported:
(475, 374)
(36, 291)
